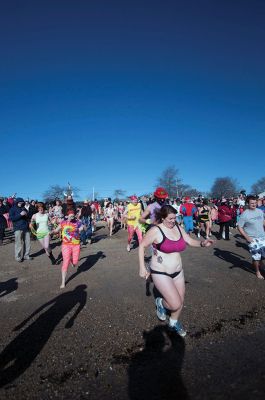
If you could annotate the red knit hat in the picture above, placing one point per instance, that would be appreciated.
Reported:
(161, 193)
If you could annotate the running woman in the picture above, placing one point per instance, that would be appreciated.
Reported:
(168, 240)
(70, 230)
(204, 216)
(41, 221)
(110, 215)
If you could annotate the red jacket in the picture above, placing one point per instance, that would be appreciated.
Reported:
(224, 213)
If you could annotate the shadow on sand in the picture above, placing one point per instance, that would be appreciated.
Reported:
(42, 251)
(155, 372)
(22, 351)
(89, 262)
(234, 259)
(8, 287)
(98, 238)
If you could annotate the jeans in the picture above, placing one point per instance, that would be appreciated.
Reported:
(86, 234)
(22, 244)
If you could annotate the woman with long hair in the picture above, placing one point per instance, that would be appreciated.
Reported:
(168, 240)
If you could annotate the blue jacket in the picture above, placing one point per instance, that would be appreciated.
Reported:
(20, 222)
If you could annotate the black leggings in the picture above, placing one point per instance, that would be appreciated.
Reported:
(226, 226)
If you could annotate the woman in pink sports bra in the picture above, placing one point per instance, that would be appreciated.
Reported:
(168, 240)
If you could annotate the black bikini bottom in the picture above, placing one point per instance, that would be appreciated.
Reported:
(164, 273)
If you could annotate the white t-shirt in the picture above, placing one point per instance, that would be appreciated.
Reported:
(252, 223)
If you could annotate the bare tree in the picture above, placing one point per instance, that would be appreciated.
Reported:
(259, 186)
(224, 187)
(57, 192)
(190, 191)
(93, 196)
(54, 192)
(173, 184)
(118, 194)
(170, 181)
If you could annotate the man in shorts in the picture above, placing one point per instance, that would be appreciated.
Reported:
(251, 226)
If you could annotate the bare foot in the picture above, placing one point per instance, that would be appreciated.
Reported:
(259, 276)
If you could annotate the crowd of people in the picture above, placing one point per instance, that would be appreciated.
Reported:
(162, 226)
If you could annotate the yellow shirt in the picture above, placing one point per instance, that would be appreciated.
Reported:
(134, 210)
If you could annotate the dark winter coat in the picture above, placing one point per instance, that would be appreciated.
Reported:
(3, 210)
(20, 222)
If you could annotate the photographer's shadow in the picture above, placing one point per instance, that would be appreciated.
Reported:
(155, 372)
(18, 355)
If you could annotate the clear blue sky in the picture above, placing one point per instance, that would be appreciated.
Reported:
(109, 93)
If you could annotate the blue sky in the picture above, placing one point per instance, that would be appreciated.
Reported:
(108, 94)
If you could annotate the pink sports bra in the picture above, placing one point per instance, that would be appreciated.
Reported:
(170, 246)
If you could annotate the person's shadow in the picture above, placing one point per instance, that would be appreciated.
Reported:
(99, 237)
(8, 286)
(89, 262)
(42, 251)
(242, 244)
(234, 259)
(155, 372)
(18, 355)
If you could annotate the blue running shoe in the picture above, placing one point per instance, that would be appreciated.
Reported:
(177, 327)
(161, 312)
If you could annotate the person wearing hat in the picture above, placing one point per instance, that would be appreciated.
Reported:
(224, 218)
(70, 230)
(149, 214)
(132, 214)
(188, 211)
(19, 216)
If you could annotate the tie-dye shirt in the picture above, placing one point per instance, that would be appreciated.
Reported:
(70, 232)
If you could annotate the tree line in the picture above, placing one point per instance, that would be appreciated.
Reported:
(171, 181)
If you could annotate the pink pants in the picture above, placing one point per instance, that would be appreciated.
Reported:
(131, 229)
(70, 251)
